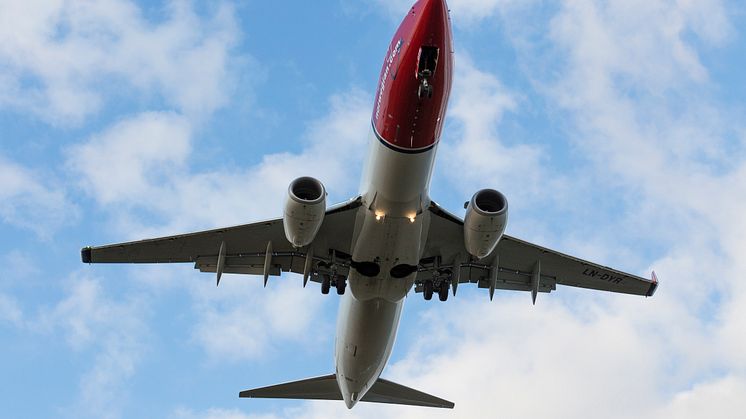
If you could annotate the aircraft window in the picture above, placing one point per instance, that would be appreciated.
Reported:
(427, 62)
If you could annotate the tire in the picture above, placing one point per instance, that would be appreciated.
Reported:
(341, 285)
(326, 284)
(443, 291)
(427, 290)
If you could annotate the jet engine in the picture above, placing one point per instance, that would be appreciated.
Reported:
(304, 212)
(484, 223)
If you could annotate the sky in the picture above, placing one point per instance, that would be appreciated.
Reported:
(617, 130)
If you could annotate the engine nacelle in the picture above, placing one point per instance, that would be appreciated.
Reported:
(484, 223)
(304, 212)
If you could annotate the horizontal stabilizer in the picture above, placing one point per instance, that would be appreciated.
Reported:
(326, 388)
(384, 391)
(316, 388)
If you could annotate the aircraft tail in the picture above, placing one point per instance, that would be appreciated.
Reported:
(326, 388)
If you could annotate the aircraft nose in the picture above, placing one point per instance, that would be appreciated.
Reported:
(434, 12)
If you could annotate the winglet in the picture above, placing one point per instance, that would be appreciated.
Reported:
(653, 285)
(85, 254)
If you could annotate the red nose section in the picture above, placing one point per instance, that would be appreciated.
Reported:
(415, 80)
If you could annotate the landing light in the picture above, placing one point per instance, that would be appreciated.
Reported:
(379, 216)
(411, 219)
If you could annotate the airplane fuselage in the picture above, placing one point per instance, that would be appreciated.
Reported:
(393, 222)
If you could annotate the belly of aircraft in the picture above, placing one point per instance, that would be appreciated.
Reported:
(393, 246)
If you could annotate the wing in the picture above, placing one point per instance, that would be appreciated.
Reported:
(244, 249)
(516, 264)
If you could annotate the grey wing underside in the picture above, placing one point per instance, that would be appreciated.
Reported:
(521, 266)
(245, 248)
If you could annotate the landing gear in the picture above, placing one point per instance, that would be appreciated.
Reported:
(341, 285)
(425, 89)
(427, 290)
(326, 284)
(443, 291)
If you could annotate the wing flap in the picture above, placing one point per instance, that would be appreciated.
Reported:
(280, 262)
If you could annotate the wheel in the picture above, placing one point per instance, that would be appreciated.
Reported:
(341, 285)
(425, 90)
(326, 284)
(427, 290)
(443, 291)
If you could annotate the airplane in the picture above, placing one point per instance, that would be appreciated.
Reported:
(388, 240)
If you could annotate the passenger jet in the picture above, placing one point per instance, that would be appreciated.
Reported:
(388, 240)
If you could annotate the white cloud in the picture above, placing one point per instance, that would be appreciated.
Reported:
(128, 161)
(57, 58)
(10, 311)
(723, 398)
(113, 330)
(215, 413)
(17, 266)
(474, 149)
(139, 164)
(28, 202)
(242, 321)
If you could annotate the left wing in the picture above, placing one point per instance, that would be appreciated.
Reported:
(515, 265)
(244, 249)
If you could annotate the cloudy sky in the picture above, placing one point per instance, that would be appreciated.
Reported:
(617, 130)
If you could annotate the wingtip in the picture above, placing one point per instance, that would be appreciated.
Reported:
(653, 284)
(85, 254)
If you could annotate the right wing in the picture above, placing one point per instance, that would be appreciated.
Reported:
(521, 266)
(245, 247)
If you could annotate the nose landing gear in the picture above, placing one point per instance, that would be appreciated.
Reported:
(425, 89)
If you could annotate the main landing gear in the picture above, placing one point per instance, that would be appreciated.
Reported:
(340, 283)
(429, 288)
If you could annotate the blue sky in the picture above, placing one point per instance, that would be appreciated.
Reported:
(616, 130)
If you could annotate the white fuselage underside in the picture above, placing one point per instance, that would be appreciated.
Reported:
(391, 229)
